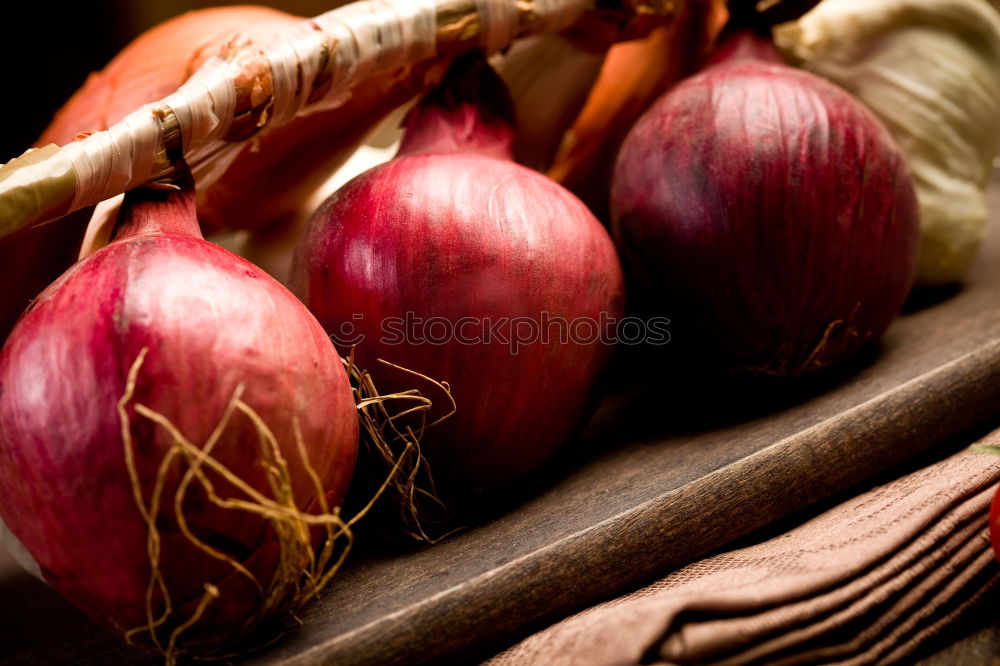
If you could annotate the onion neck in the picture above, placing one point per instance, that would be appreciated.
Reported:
(471, 111)
(148, 212)
(745, 44)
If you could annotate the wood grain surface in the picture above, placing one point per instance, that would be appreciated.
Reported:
(673, 465)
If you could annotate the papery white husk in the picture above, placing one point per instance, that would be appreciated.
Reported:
(930, 69)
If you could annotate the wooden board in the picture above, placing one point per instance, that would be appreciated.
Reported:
(666, 472)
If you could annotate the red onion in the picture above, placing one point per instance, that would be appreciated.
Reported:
(772, 211)
(452, 229)
(194, 324)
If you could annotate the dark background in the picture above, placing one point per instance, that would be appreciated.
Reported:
(49, 48)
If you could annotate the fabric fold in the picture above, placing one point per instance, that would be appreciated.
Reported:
(866, 581)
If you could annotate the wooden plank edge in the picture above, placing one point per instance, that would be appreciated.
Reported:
(643, 543)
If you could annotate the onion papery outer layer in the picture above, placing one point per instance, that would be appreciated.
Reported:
(633, 76)
(156, 63)
(455, 233)
(230, 100)
(291, 162)
(288, 161)
(207, 326)
(773, 211)
(149, 68)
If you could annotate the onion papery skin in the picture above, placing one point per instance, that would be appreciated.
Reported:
(209, 321)
(290, 161)
(293, 161)
(634, 75)
(157, 62)
(463, 234)
(151, 67)
(770, 214)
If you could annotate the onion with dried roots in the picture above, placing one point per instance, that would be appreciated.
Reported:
(176, 432)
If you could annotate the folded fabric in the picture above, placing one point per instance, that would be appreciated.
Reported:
(867, 581)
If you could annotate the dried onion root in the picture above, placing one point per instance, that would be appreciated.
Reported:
(304, 569)
(390, 439)
(301, 574)
(216, 500)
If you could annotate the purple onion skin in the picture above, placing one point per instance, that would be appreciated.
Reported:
(210, 320)
(463, 235)
(453, 228)
(773, 211)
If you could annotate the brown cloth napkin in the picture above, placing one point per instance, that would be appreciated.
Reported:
(867, 581)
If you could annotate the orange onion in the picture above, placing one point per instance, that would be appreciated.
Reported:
(291, 162)
(156, 63)
(287, 162)
(634, 74)
(149, 68)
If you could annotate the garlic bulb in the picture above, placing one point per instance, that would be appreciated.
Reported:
(930, 69)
